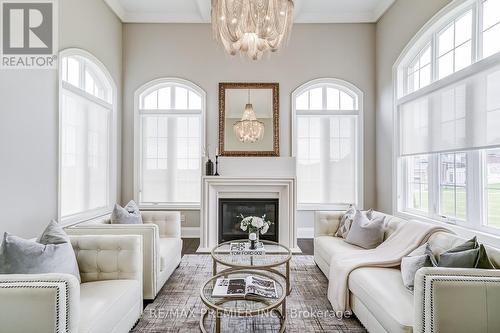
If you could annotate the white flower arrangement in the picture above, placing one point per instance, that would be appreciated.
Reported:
(252, 224)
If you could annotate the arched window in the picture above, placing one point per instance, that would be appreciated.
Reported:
(448, 114)
(169, 137)
(463, 34)
(87, 126)
(327, 143)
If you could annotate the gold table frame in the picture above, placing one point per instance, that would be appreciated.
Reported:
(266, 267)
(277, 306)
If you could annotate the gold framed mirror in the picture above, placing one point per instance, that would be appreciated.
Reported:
(249, 119)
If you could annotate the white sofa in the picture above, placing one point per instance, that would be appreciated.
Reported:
(444, 299)
(109, 298)
(161, 233)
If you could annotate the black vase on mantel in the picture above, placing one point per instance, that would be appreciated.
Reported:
(209, 168)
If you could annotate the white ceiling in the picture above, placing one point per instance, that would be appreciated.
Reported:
(198, 11)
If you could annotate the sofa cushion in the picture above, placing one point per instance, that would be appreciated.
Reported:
(168, 249)
(326, 246)
(365, 232)
(443, 241)
(129, 214)
(410, 264)
(104, 304)
(483, 261)
(53, 253)
(382, 291)
(345, 222)
(392, 223)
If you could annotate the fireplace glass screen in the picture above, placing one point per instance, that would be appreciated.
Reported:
(229, 217)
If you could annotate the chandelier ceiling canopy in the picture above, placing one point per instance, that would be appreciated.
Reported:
(252, 27)
(249, 129)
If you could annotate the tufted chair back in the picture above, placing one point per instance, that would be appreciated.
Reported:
(108, 258)
(167, 221)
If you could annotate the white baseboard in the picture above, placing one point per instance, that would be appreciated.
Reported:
(190, 232)
(305, 232)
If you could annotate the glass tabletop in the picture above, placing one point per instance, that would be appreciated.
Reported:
(273, 254)
(242, 305)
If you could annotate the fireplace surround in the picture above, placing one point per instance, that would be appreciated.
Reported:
(214, 188)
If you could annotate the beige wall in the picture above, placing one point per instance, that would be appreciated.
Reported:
(344, 51)
(28, 126)
(394, 30)
(29, 118)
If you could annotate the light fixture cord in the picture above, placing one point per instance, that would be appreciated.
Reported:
(248, 96)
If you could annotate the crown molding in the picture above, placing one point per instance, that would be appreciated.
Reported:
(117, 8)
(203, 14)
(381, 8)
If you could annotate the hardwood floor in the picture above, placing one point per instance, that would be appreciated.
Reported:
(306, 245)
(190, 245)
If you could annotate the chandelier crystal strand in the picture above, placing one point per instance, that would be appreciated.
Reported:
(252, 27)
(249, 129)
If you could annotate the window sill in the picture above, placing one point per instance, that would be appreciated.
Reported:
(71, 220)
(486, 234)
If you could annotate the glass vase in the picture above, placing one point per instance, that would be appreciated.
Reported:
(257, 233)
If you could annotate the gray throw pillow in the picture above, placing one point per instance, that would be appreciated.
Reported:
(483, 261)
(468, 245)
(365, 233)
(410, 264)
(345, 222)
(465, 255)
(53, 253)
(129, 214)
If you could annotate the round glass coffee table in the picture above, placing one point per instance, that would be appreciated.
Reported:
(242, 306)
(275, 255)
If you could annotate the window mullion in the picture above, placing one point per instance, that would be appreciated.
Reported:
(403, 185)
(434, 185)
(324, 143)
(171, 158)
(323, 98)
(479, 32)
(434, 58)
(85, 158)
(479, 190)
(172, 98)
(480, 185)
(82, 75)
(475, 34)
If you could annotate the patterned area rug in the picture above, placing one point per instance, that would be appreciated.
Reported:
(178, 306)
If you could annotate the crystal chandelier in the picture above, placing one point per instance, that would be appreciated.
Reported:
(252, 27)
(249, 129)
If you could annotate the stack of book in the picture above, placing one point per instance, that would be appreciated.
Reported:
(243, 248)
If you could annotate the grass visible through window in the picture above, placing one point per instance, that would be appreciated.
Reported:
(494, 205)
(449, 203)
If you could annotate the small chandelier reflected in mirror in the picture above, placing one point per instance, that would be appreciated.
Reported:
(249, 129)
(252, 27)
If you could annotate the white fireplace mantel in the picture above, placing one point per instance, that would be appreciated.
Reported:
(282, 188)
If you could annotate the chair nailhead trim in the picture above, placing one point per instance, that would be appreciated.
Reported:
(447, 278)
(22, 284)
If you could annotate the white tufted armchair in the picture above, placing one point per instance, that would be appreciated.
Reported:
(161, 233)
(109, 298)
